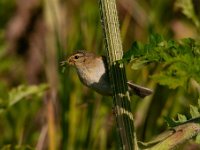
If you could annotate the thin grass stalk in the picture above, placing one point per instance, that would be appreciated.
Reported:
(121, 98)
(51, 18)
(51, 125)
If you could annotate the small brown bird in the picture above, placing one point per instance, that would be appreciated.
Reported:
(92, 71)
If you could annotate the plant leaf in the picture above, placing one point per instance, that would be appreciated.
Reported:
(180, 60)
(194, 111)
(22, 91)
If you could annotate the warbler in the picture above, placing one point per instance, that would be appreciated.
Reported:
(93, 72)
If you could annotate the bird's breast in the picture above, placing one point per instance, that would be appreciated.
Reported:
(91, 73)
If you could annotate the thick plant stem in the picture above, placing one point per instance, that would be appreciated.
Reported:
(121, 99)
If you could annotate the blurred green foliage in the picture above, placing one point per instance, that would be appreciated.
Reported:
(180, 60)
(83, 119)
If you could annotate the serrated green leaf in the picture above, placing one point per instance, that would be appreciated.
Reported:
(181, 59)
(194, 111)
(171, 122)
(155, 39)
(182, 118)
(172, 77)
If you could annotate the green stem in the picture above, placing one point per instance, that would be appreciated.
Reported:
(121, 99)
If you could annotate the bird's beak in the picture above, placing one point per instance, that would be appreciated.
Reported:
(69, 61)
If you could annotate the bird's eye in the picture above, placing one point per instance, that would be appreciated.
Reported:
(76, 57)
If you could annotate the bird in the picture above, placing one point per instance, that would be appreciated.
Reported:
(93, 72)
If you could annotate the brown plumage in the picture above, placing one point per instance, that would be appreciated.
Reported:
(92, 71)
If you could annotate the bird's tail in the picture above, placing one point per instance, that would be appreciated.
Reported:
(138, 90)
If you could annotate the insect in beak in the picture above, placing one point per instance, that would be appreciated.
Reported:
(62, 63)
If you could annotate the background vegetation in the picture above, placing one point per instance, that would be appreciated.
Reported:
(44, 106)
